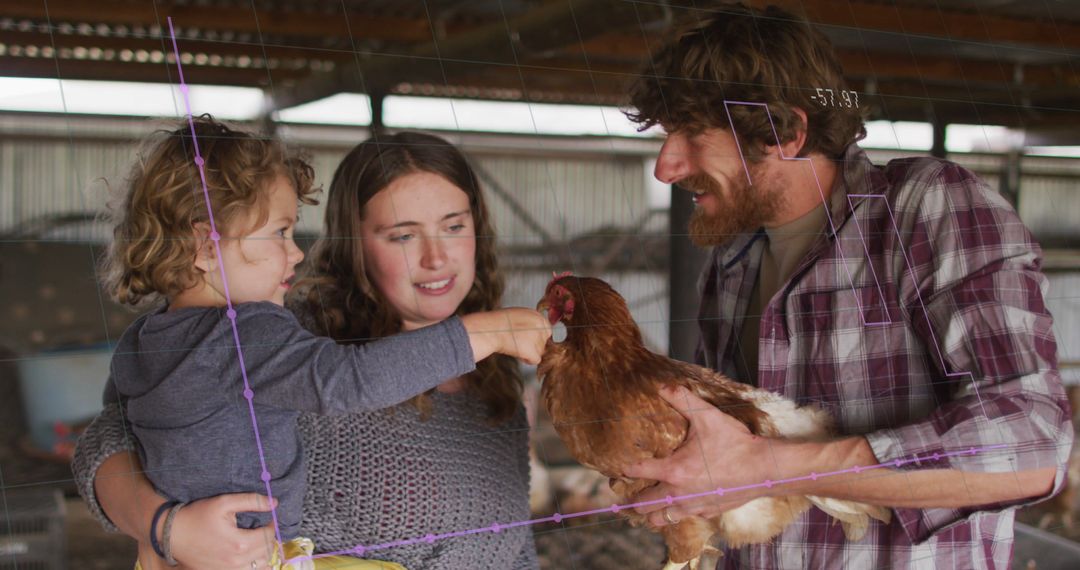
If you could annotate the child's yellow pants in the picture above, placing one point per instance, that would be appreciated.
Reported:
(304, 547)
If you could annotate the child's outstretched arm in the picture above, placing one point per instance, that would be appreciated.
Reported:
(515, 331)
(291, 368)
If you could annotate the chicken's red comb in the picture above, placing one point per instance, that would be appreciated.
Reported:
(557, 276)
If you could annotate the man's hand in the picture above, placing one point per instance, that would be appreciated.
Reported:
(719, 452)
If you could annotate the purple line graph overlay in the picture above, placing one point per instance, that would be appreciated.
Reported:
(866, 249)
(231, 312)
(360, 550)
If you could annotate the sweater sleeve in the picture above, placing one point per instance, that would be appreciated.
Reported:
(289, 367)
(527, 559)
(106, 436)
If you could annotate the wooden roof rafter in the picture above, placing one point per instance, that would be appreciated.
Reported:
(1002, 56)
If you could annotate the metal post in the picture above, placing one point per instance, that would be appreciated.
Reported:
(685, 265)
(937, 149)
(377, 98)
(1010, 177)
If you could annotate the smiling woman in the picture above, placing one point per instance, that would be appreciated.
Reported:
(419, 235)
(457, 457)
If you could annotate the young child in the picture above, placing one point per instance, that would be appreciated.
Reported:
(178, 368)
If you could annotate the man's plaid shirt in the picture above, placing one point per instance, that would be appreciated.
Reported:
(917, 320)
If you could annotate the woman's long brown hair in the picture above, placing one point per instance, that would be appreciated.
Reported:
(336, 289)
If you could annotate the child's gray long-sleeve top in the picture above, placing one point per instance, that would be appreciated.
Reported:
(180, 375)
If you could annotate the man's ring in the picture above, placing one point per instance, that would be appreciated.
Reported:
(667, 517)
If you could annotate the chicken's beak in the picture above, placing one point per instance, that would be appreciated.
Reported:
(545, 309)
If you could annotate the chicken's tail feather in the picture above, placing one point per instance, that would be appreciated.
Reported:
(854, 517)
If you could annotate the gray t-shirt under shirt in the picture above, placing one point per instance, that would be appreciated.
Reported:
(785, 248)
(179, 371)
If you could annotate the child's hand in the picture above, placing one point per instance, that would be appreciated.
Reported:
(517, 331)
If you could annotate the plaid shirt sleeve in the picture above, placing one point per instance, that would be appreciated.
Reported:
(973, 290)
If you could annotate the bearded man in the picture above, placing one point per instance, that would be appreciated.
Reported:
(905, 300)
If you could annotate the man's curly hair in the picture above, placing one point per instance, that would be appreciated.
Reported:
(742, 54)
(152, 255)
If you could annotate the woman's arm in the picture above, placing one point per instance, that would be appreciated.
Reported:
(204, 534)
(103, 439)
(527, 560)
(125, 495)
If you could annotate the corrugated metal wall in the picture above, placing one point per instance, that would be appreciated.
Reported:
(1064, 303)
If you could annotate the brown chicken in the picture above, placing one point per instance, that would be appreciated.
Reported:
(600, 386)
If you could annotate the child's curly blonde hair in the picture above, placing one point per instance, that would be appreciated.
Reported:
(155, 239)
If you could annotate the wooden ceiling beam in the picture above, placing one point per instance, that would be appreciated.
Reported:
(961, 25)
(551, 26)
(147, 72)
(857, 64)
(152, 43)
(901, 19)
(866, 63)
(265, 22)
(1004, 75)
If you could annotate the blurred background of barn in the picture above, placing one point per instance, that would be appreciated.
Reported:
(991, 84)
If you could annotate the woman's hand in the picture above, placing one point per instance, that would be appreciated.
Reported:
(204, 534)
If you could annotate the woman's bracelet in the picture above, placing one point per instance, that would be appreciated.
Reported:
(153, 526)
(166, 533)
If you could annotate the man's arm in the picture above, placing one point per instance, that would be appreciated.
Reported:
(701, 465)
(949, 488)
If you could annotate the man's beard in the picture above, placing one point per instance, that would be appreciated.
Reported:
(745, 209)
